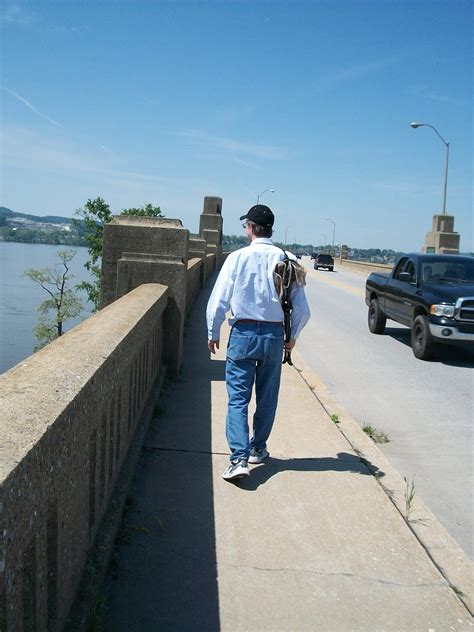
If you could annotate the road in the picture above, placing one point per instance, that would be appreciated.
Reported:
(426, 408)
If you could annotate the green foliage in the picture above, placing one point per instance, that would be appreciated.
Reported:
(62, 303)
(95, 214)
(376, 435)
(369, 254)
(409, 496)
(90, 223)
(52, 219)
(145, 211)
(40, 236)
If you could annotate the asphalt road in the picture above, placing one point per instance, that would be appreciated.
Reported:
(426, 408)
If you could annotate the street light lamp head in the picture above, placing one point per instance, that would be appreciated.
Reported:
(416, 124)
(266, 191)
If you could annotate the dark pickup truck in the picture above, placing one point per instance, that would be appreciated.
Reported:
(432, 294)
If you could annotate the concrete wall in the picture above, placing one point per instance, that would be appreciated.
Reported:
(194, 280)
(74, 418)
(363, 267)
(69, 414)
(139, 250)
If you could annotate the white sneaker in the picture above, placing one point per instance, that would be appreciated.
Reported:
(257, 456)
(236, 470)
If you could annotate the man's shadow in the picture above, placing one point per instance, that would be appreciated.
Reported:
(344, 462)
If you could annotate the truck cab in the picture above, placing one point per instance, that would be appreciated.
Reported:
(431, 294)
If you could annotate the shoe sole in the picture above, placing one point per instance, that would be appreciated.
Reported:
(236, 477)
(255, 459)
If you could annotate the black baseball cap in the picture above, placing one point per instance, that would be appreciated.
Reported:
(260, 214)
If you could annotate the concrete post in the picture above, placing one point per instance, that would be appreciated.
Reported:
(442, 239)
(197, 248)
(139, 250)
(210, 226)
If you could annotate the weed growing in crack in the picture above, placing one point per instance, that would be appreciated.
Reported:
(458, 592)
(96, 616)
(335, 419)
(376, 435)
(409, 496)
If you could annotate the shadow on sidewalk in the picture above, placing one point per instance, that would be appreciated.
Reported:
(344, 462)
(163, 575)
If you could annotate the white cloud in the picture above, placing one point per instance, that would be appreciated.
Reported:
(426, 93)
(237, 147)
(108, 150)
(31, 107)
(26, 149)
(82, 171)
(354, 71)
(13, 13)
(245, 163)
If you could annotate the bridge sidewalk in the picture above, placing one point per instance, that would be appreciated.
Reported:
(310, 541)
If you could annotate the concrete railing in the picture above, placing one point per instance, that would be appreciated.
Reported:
(194, 280)
(363, 267)
(70, 413)
(75, 414)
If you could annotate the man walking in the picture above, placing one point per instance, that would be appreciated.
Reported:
(254, 354)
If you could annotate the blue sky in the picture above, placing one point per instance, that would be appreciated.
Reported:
(166, 102)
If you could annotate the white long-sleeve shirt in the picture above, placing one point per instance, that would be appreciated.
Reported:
(245, 285)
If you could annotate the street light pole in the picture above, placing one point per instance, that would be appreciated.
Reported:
(286, 233)
(328, 219)
(266, 191)
(415, 125)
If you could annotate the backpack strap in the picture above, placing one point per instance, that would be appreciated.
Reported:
(287, 272)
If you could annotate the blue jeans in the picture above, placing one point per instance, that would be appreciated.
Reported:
(254, 354)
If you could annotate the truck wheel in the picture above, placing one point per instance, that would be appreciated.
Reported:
(377, 319)
(422, 342)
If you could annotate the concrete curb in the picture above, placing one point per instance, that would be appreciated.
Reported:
(448, 557)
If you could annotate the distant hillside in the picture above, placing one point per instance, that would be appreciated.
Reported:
(47, 219)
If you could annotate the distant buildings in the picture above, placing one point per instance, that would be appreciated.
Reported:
(23, 222)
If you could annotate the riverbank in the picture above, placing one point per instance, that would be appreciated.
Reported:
(21, 296)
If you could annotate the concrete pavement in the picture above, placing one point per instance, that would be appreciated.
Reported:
(426, 408)
(314, 539)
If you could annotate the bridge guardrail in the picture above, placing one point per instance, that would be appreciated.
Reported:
(364, 267)
(74, 416)
(69, 414)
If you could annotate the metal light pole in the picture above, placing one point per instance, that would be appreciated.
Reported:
(266, 191)
(415, 125)
(328, 219)
(286, 233)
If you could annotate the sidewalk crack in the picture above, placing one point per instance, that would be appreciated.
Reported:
(340, 574)
(153, 448)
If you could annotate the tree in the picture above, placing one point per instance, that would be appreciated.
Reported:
(145, 211)
(62, 301)
(93, 217)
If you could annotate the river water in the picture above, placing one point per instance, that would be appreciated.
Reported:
(20, 296)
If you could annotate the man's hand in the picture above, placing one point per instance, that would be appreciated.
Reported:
(212, 344)
(290, 345)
